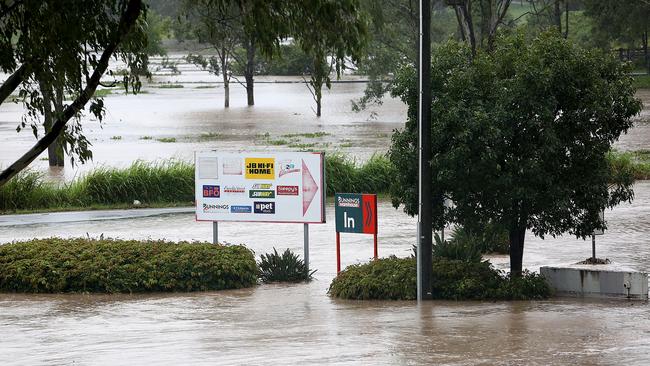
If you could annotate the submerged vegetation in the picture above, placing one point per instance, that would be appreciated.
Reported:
(394, 278)
(285, 267)
(123, 266)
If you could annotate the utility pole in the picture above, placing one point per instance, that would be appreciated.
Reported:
(424, 260)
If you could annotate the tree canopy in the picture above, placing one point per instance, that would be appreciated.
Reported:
(66, 46)
(519, 136)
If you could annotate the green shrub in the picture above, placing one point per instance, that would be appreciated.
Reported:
(395, 279)
(112, 266)
(389, 278)
(459, 247)
(285, 267)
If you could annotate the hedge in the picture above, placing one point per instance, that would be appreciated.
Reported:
(57, 265)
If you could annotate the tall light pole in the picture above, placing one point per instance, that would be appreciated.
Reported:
(424, 260)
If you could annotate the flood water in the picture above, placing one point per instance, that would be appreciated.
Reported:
(300, 324)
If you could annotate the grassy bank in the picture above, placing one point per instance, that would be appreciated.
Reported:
(395, 279)
(642, 81)
(117, 266)
(160, 185)
(635, 164)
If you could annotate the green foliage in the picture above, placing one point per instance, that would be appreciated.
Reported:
(88, 265)
(158, 28)
(167, 139)
(395, 279)
(59, 44)
(285, 267)
(389, 278)
(519, 136)
(642, 81)
(460, 247)
(343, 175)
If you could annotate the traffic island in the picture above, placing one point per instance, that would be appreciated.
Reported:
(597, 281)
(57, 265)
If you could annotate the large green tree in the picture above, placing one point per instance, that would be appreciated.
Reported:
(519, 136)
(54, 47)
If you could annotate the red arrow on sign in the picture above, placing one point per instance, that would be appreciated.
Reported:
(309, 188)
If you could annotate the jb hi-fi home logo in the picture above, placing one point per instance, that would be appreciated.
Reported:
(349, 202)
(264, 207)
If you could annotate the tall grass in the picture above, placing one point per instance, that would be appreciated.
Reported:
(167, 183)
(344, 175)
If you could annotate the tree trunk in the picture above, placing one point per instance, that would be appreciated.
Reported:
(249, 71)
(566, 19)
(557, 16)
(128, 19)
(226, 83)
(319, 97)
(56, 148)
(517, 235)
(645, 49)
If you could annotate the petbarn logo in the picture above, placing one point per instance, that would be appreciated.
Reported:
(287, 190)
(288, 166)
(260, 168)
(211, 191)
(348, 202)
(264, 207)
(261, 194)
(240, 209)
(208, 207)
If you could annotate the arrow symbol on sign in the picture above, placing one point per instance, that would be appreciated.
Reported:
(368, 214)
(309, 188)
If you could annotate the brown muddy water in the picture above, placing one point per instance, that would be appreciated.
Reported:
(300, 324)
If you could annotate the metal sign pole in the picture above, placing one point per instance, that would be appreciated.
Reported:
(424, 259)
(306, 244)
(338, 253)
(215, 232)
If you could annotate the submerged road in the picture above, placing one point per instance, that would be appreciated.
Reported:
(94, 215)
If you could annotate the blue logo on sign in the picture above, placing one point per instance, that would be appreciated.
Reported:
(241, 209)
(211, 191)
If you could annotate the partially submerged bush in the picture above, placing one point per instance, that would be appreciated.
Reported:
(395, 279)
(344, 175)
(88, 265)
(285, 267)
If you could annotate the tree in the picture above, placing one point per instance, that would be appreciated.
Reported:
(329, 32)
(519, 136)
(54, 47)
(481, 31)
(623, 22)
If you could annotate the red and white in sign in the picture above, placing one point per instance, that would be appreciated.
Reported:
(287, 190)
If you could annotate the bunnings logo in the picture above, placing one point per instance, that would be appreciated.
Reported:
(208, 207)
(348, 202)
(261, 194)
(264, 207)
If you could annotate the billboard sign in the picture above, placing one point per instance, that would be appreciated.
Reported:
(265, 187)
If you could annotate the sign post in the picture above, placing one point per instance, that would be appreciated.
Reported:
(355, 213)
(287, 187)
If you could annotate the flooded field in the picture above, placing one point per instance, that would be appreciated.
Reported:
(300, 324)
(290, 324)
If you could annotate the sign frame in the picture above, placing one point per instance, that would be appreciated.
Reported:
(361, 207)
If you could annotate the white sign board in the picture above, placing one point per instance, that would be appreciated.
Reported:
(264, 187)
